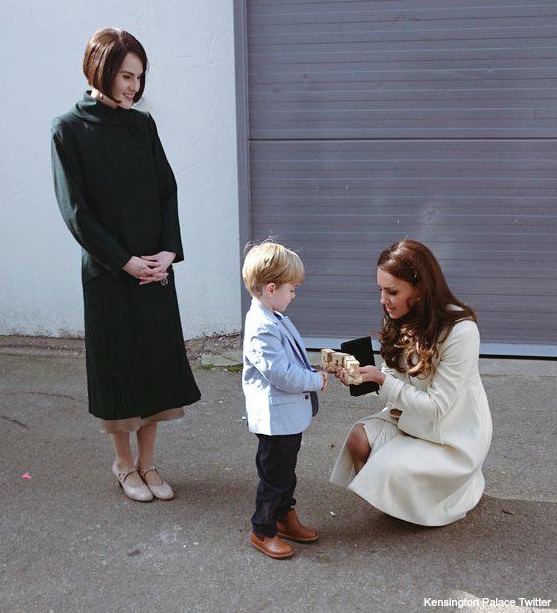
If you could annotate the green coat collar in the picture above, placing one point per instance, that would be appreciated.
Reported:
(94, 111)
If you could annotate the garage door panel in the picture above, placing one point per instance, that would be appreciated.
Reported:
(402, 69)
(492, 225)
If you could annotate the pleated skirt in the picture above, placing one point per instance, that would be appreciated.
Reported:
(136, 359)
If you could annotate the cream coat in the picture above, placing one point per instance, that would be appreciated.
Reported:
(430, 471)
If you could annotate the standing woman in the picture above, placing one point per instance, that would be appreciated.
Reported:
(118, 196)
(420, 459)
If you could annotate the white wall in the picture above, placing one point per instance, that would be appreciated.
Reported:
(190, 92)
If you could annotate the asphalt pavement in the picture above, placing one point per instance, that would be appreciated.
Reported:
(71, 542)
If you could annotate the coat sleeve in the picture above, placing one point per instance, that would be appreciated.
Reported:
(168, 197)
(81, 221)
(459, 357)
(265, 351)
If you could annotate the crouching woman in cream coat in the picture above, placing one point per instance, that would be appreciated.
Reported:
(420, 459)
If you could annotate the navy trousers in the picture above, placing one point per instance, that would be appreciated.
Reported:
(276, 466)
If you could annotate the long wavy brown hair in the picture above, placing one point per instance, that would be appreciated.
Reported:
(409, 343)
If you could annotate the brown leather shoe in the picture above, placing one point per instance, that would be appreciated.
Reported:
(272, 547)
(292, 529)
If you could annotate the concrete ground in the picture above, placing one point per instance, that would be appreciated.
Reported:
(71, 542)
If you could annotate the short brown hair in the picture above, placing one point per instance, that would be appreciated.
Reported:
(270, 262)
(105, 53)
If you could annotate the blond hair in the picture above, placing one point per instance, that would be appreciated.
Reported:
(269, 262)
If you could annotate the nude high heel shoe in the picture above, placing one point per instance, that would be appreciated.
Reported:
(162, 490)
(140, 493)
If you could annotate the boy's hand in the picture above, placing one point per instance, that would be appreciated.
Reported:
(325, 381)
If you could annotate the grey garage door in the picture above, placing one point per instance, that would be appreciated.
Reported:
(362, 122)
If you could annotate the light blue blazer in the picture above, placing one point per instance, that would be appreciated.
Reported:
(277, 377)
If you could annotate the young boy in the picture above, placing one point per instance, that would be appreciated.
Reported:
(280, 389)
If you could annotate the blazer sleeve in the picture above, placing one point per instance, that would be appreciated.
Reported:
(458, 359)
(168, 197)
(266, 352)
(81, 221)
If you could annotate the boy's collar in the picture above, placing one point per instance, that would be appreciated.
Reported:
(267, 309)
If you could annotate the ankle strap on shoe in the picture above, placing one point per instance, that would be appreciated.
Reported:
(124, 474)
(144, 471)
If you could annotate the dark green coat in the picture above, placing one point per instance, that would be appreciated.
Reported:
(118, 196)
(115, 188)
